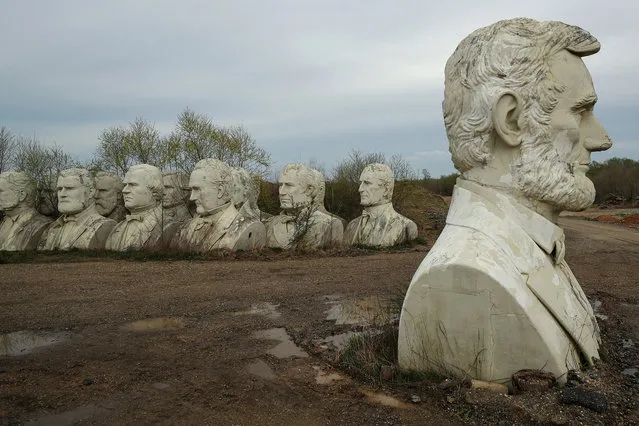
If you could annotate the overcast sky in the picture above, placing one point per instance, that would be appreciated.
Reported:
(309, 79)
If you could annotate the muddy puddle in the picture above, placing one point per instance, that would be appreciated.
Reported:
(326, 378)
(26, 341)
(336, 341)
(266, 309)
(596, 308)
(371, 310)
(285, 348)
(632, 371)
(77, 415)
(155, 324)
(261, 369)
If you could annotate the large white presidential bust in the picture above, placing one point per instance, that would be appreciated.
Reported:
(379, 225)
(218, 223)
(176, 196)
(495, 295)
(144, 227)
(22, 226)
(79, 226)
(108, 196)
(302, 223)
(245, 192)
(320, 201)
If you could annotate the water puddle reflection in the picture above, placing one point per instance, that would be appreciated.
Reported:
(630, 372)
(337, 341)
(25, 341)
(266, 309)
(371, 310)
(77, 415)
(286, 348)
(155, 324)
(261, 369)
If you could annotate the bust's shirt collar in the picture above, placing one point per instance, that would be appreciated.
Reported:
(548, 236)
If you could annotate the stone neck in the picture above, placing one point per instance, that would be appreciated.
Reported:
(216, 210)
(143, 210)
(508, 189)
(15, 212)
(89, 210)
(376, 210)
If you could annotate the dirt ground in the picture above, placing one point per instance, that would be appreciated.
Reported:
(228, 341)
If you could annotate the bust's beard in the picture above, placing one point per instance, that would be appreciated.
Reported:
(542, 176)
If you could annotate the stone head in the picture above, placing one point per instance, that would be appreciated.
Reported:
(176, 189)
(108, 192)
(298, 186)
(376, 185)
(320, 184)
(245, 188)
(143, 188)
(518, 109)
(16, 189)
(211, 185)
(76, 190)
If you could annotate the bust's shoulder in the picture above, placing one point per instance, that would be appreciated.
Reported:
(461, 248)
(99, 221)
(38, 220)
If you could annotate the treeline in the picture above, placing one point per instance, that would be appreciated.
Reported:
(616, 178)
(411, 198)
(194, 137)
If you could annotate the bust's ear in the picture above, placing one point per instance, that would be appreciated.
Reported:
(388, 195)
(505, 117)
(22, 195)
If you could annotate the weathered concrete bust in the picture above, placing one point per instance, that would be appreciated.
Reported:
(495, 295)
(379, 225)
(245, 193)
(22, 226)
(108, 196)
(176, 196)
(302, 223)
(144, 227)
(218, 224)
(320, 200)
(80, 225)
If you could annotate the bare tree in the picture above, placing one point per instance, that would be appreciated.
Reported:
(113, 153)
(7, 149)
(196, 137)
(122, 147)
(43, 164)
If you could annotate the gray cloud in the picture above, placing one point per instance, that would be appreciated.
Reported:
(308, 79)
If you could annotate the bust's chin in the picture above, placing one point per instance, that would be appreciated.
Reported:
(70, 210)
(557, 186)
(374, 203)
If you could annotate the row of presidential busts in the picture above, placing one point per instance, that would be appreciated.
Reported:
(226, 212)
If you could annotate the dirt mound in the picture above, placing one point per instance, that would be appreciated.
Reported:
(426, 209)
